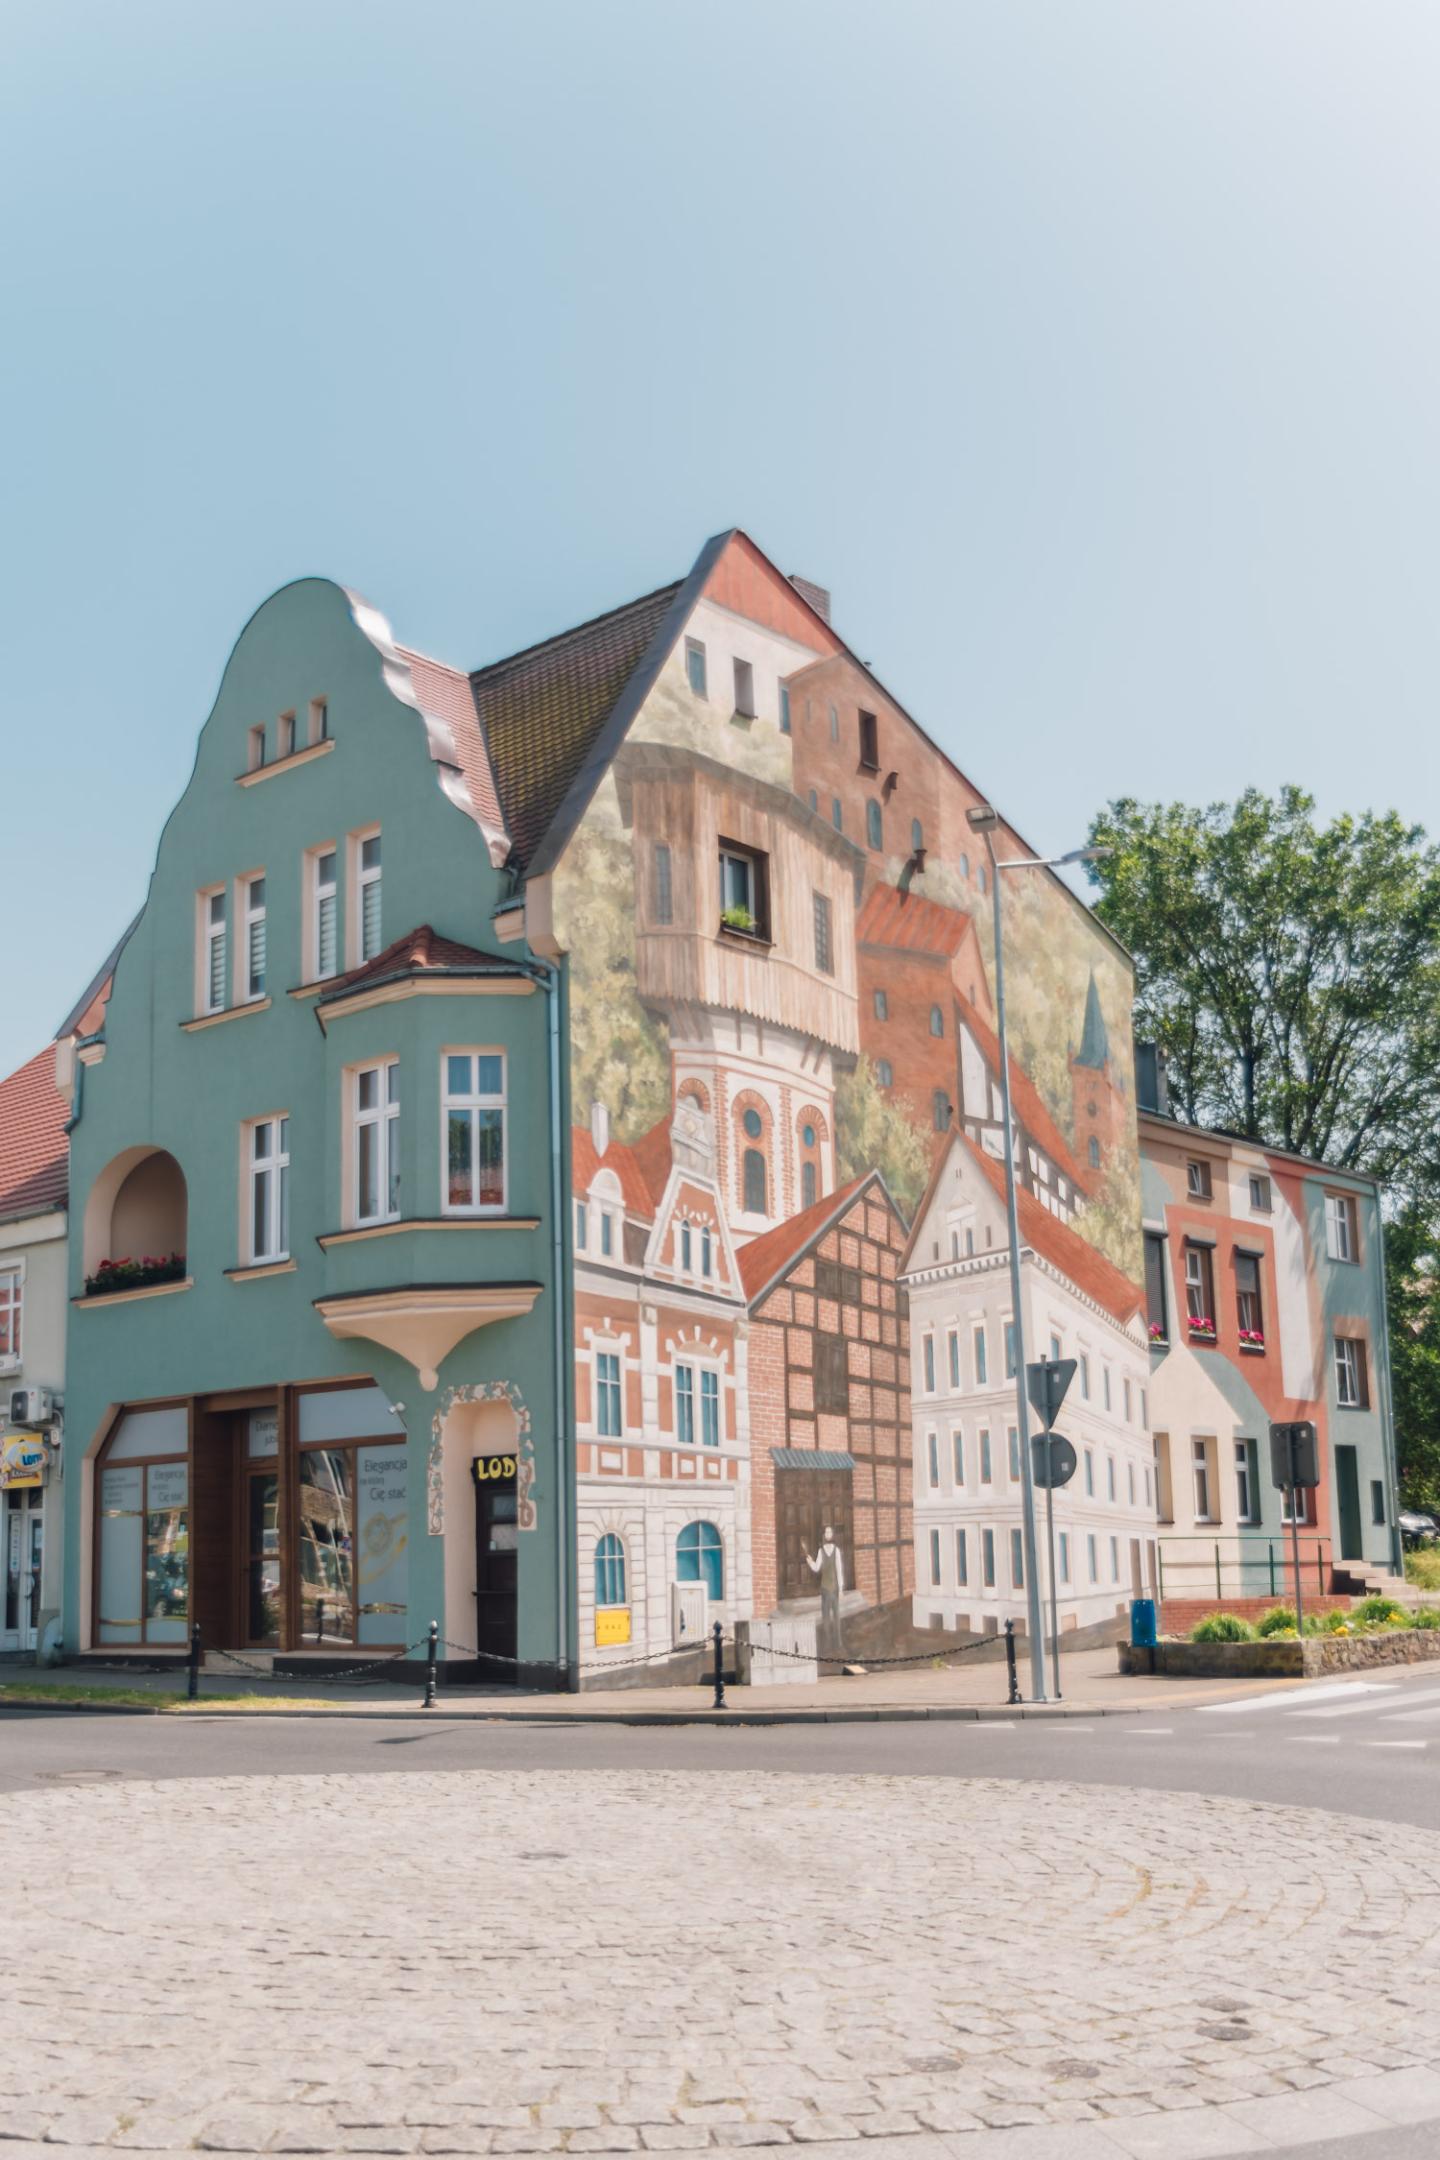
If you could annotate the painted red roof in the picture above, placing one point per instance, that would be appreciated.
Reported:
(1074, 1255)
(1026, 1100)
(768, 1256)
(642, 1167)
(908, 922)
(34, 1152)
(412, 954)
(446, 692)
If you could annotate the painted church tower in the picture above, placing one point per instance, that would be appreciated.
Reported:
(1099, 1091)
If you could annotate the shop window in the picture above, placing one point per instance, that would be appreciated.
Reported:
(700, 1557)
(143, 1510)
(351, 1517)
(473, 1109)
(609, 1570)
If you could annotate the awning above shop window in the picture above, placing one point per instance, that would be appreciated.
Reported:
(804, 1458)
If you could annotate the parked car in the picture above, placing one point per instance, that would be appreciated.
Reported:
(1418, 1529)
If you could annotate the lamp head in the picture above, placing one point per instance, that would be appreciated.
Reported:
(982, 818)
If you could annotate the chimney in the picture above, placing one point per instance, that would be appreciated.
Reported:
(600, 1126)
(818, 596)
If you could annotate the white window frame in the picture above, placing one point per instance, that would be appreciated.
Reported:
(383, 1117)
(274, 1165)
(932, 1451)
(474, 1101)
(359, 880)
(1348, 1392)
(1341, 1238)
(1246, 1488)
(12, 1302)
(1202, 1494)
(957, 1456)
(316, 893)
(208, 970)
(615, 1351)
(686, 1393)
(250, 917)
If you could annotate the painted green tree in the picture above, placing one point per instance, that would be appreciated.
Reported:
(875, 1132)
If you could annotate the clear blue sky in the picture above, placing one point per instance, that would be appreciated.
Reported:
(1088, 351)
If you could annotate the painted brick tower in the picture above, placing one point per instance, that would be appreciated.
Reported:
(1099, 1089)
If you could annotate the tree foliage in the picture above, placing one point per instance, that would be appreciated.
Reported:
(1290, 970)
(1412, 1284)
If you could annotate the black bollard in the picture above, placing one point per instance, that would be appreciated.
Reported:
(432, 1652)
(719, 1633)
(1014, 1695)
(193, 1689)
(319, 1620)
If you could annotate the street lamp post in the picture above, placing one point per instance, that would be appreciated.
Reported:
(985, 820)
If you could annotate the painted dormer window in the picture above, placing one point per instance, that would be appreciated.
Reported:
(695, 666)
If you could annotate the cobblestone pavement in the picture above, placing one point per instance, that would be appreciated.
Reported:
(519, 1962)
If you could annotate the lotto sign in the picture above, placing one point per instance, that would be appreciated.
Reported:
(22, 1461)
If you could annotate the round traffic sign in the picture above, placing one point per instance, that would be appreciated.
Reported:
(1054, 1459)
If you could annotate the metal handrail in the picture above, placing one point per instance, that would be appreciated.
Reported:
(1257, 1549)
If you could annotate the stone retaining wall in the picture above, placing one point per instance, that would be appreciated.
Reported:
(1276, 1659)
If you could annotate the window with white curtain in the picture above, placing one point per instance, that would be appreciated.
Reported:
(267, 1174)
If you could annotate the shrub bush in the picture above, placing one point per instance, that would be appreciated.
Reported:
(1425, 1616)
(1223, 1627)
(1280, 1620)
(1423, 1568)
(1380, 1611)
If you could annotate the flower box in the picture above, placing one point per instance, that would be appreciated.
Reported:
(1252, 1339)
(1202, 1330)
(127, 1274)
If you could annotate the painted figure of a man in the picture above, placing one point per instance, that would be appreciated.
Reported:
(829, 1565)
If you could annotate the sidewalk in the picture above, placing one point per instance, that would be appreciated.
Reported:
(1091, 1684)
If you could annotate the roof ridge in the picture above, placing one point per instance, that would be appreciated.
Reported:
(547, 644)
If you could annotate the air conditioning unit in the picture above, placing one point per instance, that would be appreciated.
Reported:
(31, 1406)
(688, 1606)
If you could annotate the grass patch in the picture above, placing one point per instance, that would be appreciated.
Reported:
(80, 1694)
(1423, 1568)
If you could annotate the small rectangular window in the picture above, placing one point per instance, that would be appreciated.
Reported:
(832, 1375)
(1199, 1290)
(987, 1555)
(935, 1558)
(745, 689)
(784, 710)
(1092, 1558)
(11, 1292)
(267, 1171)
(1114, 1559)
(324, 915)
(824, 941)
(962, 1559)
(1155, 1299)
(709, 1409)
(981, 1357)
(1110, 1478)
(744, 899)
(882, 1005)
(837, 813)
(367, 881)
(1260, 1196)
(1064, 1556)
(375, 1143)
(1084, 1376)
(834, 724)
(1200, 1466)
(257, 749)
(215, 946)
(664, 891)
(252, 953)
(695, 666)
(609, 1410)
(285, 735)
(1009, 1350)
(581, 1224)
(869, 742)
(957, 1455)
(1341, 1241)
(986, 1467)
(473, 1122)
(1017, 1559)
(1197, 1178)
(1377, 1501)
(685, 1405)
(319, 720)
(929, 1355)
(1089, 1473)
(953, 1346)
(1245, 1486)
(933, 1456)
(1013, 1440)
(1351, 1381)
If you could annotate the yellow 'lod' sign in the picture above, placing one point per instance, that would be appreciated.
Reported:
(22, 1460)
(612, 1624)
(489, 1468)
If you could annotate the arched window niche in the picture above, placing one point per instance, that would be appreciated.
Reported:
(136, 1223)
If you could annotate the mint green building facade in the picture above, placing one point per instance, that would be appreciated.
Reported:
(323, 1120)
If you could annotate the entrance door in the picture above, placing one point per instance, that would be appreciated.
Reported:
(497, 1567)
(1347, 1487)
(23, 1549)
(807, 1502)
(262, 1559)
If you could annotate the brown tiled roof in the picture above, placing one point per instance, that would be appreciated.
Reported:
(34, 1153)
(642, 1168)
(1073, 1255)
(907, 922)
(543, 710)
(447, 693)
(768, 1256)
(413, 954)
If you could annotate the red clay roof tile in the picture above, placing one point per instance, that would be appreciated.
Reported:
(34, 1152)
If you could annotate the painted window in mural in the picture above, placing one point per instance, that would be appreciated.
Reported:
(609, 1570)
(824, 935)
(685, 1405)
(664, 892)
(869, 742)
(695, 666)
(709, 1409)
(474, 1114)
(744, 890)
(700, 1557)
(784, 710)
(609, 1421)
(874, 825)
(755, 1181)
(809, 1185)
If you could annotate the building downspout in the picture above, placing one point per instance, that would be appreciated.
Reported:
(547, 975)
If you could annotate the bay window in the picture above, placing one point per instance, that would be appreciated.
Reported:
(474, 1126)
(375, 1142)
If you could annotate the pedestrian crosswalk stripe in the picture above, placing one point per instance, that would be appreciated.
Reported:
(1325, 1692)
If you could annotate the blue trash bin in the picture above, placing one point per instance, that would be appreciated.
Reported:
(1142, 1623)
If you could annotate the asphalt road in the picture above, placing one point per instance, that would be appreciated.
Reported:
(1361, 1748)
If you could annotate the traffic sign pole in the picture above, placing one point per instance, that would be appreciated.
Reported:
(1046, 1384)
(1054, 1598)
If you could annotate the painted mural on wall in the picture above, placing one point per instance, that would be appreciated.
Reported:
(779, 932)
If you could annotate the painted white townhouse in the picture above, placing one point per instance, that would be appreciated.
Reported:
(969, 1557)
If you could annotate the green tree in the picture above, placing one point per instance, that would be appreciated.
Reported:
(872, 1132)
(1412, 1281)
(1290, 970)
